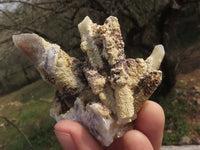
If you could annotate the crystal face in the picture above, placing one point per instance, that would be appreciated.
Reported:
(106, 90)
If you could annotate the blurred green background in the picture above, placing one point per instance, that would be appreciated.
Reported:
(25, 99)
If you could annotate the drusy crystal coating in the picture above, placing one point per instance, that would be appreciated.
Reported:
(106, 90)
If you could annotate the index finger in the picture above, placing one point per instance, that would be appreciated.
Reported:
(150, 121)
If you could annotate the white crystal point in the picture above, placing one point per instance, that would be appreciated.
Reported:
(84, 26)
(30, 44)
(156, 57)
(40, 52)
(105, 91)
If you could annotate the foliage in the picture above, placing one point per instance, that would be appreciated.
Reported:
(27, 116)
(178, 110)
(144, 23)
(29, 108)
(176, 124)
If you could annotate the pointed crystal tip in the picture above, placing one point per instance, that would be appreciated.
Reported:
(84, 25)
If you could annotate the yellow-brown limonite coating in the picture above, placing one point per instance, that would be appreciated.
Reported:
(106, 90)
(54, 65)
(110, 75)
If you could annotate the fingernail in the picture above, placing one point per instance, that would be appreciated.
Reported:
(65, 140)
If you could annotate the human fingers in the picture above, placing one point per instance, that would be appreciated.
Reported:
(132, 140)
(73, 136)
(150, 121)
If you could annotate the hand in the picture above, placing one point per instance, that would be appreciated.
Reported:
(146, 135)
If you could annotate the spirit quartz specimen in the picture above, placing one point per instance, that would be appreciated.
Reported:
(105, 91)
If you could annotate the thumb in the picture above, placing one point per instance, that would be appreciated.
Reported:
(65, 140)
(73, 136)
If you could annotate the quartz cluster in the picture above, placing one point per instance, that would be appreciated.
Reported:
(105, 91)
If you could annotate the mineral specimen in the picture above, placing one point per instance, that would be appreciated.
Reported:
(103, 93)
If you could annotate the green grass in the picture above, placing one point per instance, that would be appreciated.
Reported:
(176, 111)
(30, 107)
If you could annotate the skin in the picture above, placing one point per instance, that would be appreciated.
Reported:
(146, 135)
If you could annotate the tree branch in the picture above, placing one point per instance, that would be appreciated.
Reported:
(5, 41)
(188, 1)
(152, 17)
(8, 16)
(101, 6)
(126, 11)
(20, 131)
(25, 3)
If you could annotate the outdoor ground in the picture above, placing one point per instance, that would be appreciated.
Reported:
(28, 108)
(182, 110)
